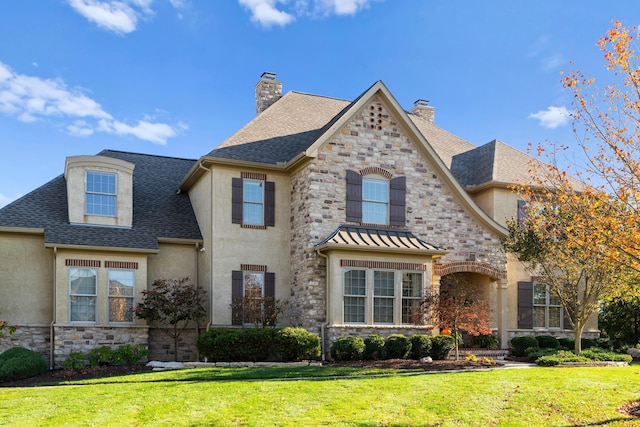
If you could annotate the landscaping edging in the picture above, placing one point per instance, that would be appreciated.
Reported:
(160, 366)
(590, 364)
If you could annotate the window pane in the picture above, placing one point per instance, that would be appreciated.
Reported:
(383, 285)
(354, 282)
(104, 183)
(540, 294)
(121, 283)
(375, 190)
(554, 300)
(120, 309)
(98, 204)
(252, 214)
(383, 310)
(253, 288)
(82, 281)
(354, 309)
(374, 212)
(412, 285)
(411, 311)
(253, 191)
(538, 317)
(82, 309)
(554, 317)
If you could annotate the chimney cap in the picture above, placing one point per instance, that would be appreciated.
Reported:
(421, 102)
(268, 75)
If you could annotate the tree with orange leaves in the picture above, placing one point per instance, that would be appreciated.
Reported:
(582, 237)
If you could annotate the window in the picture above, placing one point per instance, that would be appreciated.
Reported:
(100, 197)
(375, 201)
(253, 202)
(253, 197)
(355, 291)
(82, 294)
(253, 298)
(371, 296)
(547, 310)
(383, 296)
(411, 297)
(121, 294)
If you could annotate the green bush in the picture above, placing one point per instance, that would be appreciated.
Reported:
(240, 345)
(547, 341)
(485, 341)
(129, 354)
(374, 347)
(420, 346)
(562, 356)
(348, 348)
(588, 343)
(101, 356)
(18, 363)
(397, 346)
(567, 343)
(519, 345)
(75, 360)
(535, 353)
(441, 346)
(299, 344)
(600, 354)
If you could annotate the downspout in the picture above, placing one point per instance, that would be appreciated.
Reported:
(210, 245)
(327, 305)
(53, 321)
(198, 285)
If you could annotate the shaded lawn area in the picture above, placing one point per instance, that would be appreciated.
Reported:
(252, 397)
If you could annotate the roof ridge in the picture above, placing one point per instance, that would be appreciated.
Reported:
(318, 96)
(145, 154)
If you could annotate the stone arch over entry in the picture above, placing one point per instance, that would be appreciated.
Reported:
(469, 267)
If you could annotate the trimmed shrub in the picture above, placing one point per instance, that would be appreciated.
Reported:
(588, 343)
(420, 346)
(562, 356)
(18, 363)
(397, 346)
(298, 344)
(567, 343)
(485, 341)
(374, 347)
(348, 348)
(441, 346)
(240, 345)
(534, 353)
(75, 360)
(129, 354)
(519, 345)
(547, 341)
(600, 354)
(101, 356)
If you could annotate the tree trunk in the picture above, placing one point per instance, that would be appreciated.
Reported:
(175, 345)
(577, 336)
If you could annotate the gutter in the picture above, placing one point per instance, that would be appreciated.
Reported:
(210, 322)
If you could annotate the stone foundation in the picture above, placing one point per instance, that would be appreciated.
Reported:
(83, 339)
(33, 337)
(161, 346)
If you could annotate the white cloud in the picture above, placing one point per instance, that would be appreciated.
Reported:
(343, 7)
(265, 13)
(553, 117)
(118, 16)
(552, 62)
(5, 200)
(31, 98)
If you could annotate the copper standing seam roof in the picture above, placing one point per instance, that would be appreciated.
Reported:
(367, 238)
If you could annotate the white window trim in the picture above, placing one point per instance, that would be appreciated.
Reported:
(387, 203)
(262, 183)
(109, 296)
(546, 306)
(95, 295)
(365, 296)
(114, 195)
(244, 295)
(403, 298)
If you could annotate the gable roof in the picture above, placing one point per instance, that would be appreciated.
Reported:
(159, 212)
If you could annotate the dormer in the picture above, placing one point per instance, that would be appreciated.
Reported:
(99, 191)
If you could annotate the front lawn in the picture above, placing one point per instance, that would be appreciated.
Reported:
(227, 396)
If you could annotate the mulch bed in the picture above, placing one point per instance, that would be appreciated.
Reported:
(90, 372)
(630, 408)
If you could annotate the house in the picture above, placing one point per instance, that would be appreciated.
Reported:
(350, 210)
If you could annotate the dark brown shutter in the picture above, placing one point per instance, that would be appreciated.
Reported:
(354, 196)
(237, 196)
(398, 186)
(269, 204)
(525, 305)
(269, 298)
(237, 298)
(522, 210)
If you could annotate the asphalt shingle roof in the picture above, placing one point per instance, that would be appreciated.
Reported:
(158, 211)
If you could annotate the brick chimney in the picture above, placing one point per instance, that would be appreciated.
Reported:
(268, 91)
(422, 108)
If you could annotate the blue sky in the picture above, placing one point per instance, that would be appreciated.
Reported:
(177, 77)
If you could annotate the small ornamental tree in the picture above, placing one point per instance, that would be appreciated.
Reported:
(459, 307)
(173, 302)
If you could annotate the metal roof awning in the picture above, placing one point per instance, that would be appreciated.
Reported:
(364, 238)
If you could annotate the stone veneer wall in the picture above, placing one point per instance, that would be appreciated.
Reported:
(318, 200)
(71, 338)
(161, 346)
(36, 338)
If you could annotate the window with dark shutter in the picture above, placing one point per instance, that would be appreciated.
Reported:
(522, 210)
(397, 215)
(269, 299)
(354, 196)
(258, 211)
(270, 204)
(236, 200)
(525, 305)
(237, 298)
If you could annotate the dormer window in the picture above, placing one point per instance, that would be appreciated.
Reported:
(100, 198)
(375, 200)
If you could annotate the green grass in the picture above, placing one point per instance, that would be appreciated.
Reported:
(258, 397)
